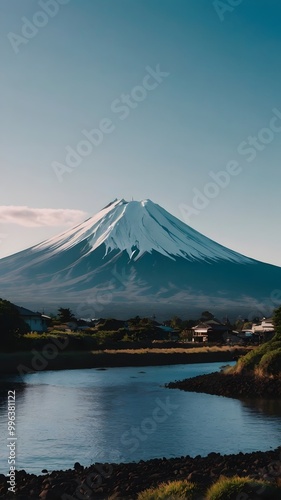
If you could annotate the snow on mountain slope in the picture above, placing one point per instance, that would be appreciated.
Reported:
(134, 258)
(139, 227)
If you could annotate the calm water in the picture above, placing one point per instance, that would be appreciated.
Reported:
(125, 414)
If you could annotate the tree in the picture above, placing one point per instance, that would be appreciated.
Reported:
(247, 325)
(276, 318)
(65, 315)
(176, 322)
(10, 321)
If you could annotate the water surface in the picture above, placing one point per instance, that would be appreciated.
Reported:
(126, 414)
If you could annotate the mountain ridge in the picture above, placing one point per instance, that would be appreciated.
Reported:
(135, 258)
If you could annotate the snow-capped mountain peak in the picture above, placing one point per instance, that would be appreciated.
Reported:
(140, 227)
(134, 258)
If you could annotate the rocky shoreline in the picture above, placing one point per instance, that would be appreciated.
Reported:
(231, 385)
(125, 481)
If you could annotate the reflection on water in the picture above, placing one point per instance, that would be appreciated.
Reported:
(126, 414)
(270, 407)
(9, 382)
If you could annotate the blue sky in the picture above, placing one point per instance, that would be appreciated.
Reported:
(72, 68)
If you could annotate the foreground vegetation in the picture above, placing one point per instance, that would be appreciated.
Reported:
(224, 489)
(243, 488)
(173, 489)
(265, 360)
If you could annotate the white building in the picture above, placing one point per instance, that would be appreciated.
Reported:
(264, 326)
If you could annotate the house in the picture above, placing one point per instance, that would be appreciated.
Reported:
(234, 337)
(209, 331)
(170, 332)
(37, 322)
(264, 326)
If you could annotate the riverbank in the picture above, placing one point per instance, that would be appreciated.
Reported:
(49, 359)
(231, 385)
(125, 481)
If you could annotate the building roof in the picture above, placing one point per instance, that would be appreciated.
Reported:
(167, 328)
(210, 326)
(26, 312)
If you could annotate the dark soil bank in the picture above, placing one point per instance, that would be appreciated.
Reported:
(25, 362)
(231, 386)
(125, 481)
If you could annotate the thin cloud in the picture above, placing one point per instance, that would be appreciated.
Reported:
(36, 217)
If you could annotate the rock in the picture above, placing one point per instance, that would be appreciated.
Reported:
(129, 479)
(43, 495)
(214, 474)
(115, 496)
(195, 477)
(231, 385)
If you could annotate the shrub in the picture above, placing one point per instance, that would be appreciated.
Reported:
(170, 491)
(245, 487)
(110, 324)
(252, 359)
(270, 363)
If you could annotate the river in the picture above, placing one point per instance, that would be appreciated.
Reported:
(126, 414)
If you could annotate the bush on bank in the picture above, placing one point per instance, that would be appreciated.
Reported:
(270, 363)
(264, 360)
(243, 488)
(182, 490)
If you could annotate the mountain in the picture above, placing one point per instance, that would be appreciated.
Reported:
(136, 258)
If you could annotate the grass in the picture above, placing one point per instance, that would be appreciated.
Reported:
(92, 344)
(169, 491)
(242, 487)
(224, 489)
(177, 350)
(270, 363)
(263, 361)
(39, 336)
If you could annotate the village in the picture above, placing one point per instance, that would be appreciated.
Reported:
(206, 330)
